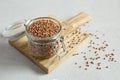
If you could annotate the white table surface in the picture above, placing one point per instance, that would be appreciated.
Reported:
(105, 18)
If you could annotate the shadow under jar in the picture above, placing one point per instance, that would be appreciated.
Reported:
(44, 37)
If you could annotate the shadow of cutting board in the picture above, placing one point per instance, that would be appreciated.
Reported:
(74, 39)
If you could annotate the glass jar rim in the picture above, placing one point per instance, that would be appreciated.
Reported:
(55, 36)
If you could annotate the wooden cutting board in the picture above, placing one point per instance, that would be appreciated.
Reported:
(74, 39)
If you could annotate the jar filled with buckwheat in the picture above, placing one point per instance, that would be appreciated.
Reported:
(44, 37)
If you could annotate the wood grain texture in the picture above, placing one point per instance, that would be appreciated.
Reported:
(73, 39)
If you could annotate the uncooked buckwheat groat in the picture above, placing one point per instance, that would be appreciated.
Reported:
(43, 28)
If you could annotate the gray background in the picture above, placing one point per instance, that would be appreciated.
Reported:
(105, 18)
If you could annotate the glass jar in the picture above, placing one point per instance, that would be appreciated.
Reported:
(46, 47)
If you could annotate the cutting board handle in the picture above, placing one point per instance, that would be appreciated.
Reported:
(79, 19)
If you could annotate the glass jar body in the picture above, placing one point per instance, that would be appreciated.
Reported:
(48, 46)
